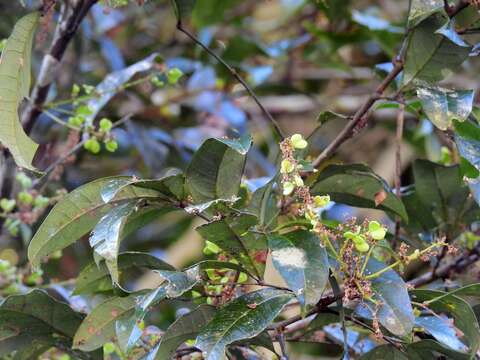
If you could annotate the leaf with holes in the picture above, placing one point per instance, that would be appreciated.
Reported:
(15, 77)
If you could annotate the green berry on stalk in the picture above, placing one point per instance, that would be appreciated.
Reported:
(105, 125)
(362, 247)
(92, 145)
(24, 181)
(25, 198)
(173, 75)
(111, 145)
(7, 205)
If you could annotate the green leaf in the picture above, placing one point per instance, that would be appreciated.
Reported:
(264, 205)
(99, 326)
(209, 12)
(93, 279)
(434, 51)
(78, 212)
(112, 229)
(231, 235)
(216, 169)
(242, 318)
(183, 8)
(429, 349)
(35, 315)
(461, 311)
(357, 185)
(15, 77)
(440, 189)
(442, 329)
(302, 262)
(175, 285)
(442, 106)
(384, 352)
(423, 9)
(184, 328)
(395, 311)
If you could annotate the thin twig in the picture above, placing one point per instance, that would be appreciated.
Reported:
(398, 164)
(360, 116)
(236, 75)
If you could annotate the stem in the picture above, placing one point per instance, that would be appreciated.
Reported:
(236, 75)
(398, 164)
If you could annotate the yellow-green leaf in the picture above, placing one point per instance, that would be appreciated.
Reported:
(15, 81)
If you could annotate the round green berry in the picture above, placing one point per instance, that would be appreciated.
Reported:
(111, 145)
(25, 198)
(105, 125)
(92, 145)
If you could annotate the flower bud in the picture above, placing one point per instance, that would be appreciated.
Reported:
(298, 142)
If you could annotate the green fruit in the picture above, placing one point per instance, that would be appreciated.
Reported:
(7, 205)
(41, 201)
(362, 247)
(92, 145)
(173, 75)
(376, 230)
(25, 198)
(24, 181)
(108, 348)
(76, 121)
(105, 125)
(111, 145)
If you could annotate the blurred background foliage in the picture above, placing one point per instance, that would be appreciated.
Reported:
(302, 58)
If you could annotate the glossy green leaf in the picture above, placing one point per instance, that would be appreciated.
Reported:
(99, 326)
(395, 311)
(184, 328)
(242, 318)
(79, 211)
(434, 51)
(264, 205)
(302, 262)
(442, 106)
(231, 235)
(440, 189)
(15, 77)
(430, 349)
(357, 185)
(94, 279)
(35, 317)
(442, 330)
(384, 352)
(176, 284)
(423, 9)
(459, 309)
(216, 169)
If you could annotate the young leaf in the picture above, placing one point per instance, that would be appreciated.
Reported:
(184, 328)
(231, 235)
(357, 185)
(78, 212)
(302, 262)
(395, 311)
(94, 279)
(243, 318)
(99, 326)
(442, 106)
(15, 77)
(216, 169)
(432, 55)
